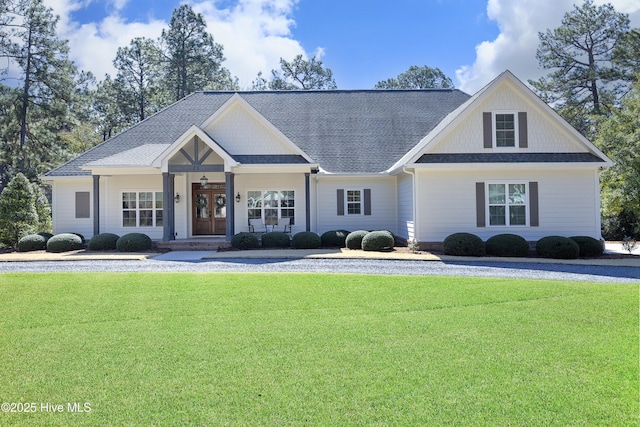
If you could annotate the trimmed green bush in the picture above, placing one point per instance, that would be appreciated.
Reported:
(103, 242)
(46, 235)
(276, 239)
(244, 240)
(134, 242)
(354, 239)
(378, 241)
(557, 247)
(64, 242)
(32, 242)
(507, 245)
(589, 247)
(80, 236)
(464, 244)
(306, 240)
(334, 238)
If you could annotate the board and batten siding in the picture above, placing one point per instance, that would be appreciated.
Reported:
(405, 206)
(568, 203)
(64, 206)
(265, 182)
(383, 204)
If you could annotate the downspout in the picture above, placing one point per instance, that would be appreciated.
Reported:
(414, 206)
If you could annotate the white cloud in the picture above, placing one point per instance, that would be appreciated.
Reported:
(515, 47)
(255, 34)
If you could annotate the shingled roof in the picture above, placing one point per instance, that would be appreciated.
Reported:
(363, 131)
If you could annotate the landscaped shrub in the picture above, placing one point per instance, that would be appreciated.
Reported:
(80, 236)
(134, 242)
(589, 247)
(275, 239)
(464, 244)
(244, 240)
(46, 235)
(32, 242)
(103, 242)
(507, 245)
(557, 247)
(378, 241)
(354, 239)
(64, 242)
(306, 240)
(334, 238)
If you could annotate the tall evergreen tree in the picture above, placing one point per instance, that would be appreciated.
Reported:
(416, 77)
(301, 74)
(46, 78)
(584, 79)
(191, 58)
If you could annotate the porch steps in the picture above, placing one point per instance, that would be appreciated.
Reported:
(196, 245)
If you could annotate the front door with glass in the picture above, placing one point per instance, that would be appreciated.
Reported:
(209, 209)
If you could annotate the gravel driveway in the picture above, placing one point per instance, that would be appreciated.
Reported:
(608, 274)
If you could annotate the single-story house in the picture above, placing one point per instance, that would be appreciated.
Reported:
(421, 163)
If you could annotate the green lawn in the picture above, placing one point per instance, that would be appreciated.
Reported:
(317, 349)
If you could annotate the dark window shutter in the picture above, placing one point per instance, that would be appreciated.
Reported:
(487, 130)
(533, 205)
(523, 139)
(367, 201)
(82, 204)
(340, 201)
(480, 210)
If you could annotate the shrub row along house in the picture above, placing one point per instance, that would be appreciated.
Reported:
(421, 163)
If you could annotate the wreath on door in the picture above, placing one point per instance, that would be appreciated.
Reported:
(201, 201)
(220, 201)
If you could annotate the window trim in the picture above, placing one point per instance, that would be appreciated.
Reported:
(360, 203)
(154, 209)
(279, 208)
(494, 130)
(527, 204)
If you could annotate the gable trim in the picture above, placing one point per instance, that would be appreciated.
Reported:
(162, 161)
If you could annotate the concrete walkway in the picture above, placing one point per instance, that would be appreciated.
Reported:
(192, 256)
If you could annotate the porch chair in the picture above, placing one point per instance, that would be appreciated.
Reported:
(257, 226)
(285, 223)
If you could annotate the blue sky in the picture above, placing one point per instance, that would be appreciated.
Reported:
(363, 42)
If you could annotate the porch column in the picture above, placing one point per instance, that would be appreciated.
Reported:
(168, 207)
(307, 199)
(96, 204)
(229, 185)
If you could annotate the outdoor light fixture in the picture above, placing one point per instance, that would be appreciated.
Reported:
(177, 198)
(238, 197)
(203, 182)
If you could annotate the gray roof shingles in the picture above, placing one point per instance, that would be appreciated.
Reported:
(361, 131)
(510, 158)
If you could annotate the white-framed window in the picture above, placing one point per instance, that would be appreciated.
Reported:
(270, 205)
(353, 201)
(142, 208)
(505, 129)
(507, 204)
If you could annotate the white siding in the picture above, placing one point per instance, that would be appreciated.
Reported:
(544, 134)
(64, 207)
(111, 202)
(383, 204)
(405, 206)
(568, 203)
(239, 132)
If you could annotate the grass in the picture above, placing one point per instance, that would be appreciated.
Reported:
(314, 349)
